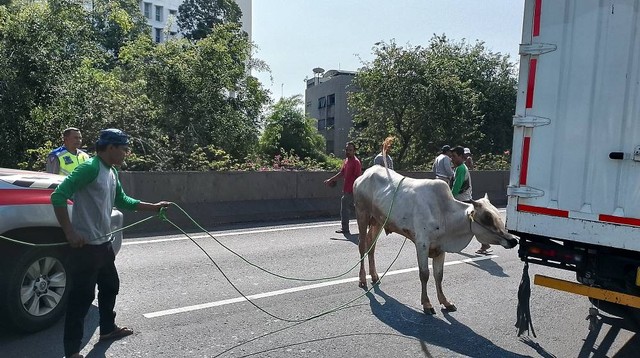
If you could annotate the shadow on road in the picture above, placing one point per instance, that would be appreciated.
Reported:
(346, 237)
(447, 333)
(590, 348)
(46, 343)
(489, 266)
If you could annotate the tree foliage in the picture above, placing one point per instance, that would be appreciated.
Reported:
(445, 92)
(63, 64)
(288, 130)
(197, 18)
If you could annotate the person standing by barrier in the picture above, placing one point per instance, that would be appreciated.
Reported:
(384, 154)
(351, 169)
(468, 160)
(442, 165)
(461, 188)
(64, 159)
(95, 189)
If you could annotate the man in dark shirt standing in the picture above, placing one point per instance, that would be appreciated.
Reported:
(351, 169)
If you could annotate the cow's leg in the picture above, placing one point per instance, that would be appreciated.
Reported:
(363, 245)
(374, 231)
(422, 249)
(438, 273)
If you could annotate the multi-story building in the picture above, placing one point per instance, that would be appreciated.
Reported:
(326, 101)
(162, 17)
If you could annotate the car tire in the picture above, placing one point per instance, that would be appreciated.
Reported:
(37, 289)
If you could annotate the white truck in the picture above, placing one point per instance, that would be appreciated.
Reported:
(574, 188)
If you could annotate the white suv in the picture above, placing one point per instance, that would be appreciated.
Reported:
(34, 278)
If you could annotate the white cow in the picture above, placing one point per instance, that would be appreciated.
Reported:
(425, 212)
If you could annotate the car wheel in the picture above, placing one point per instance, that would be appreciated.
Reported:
(38, 289)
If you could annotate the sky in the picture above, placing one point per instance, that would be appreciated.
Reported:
(295, 36)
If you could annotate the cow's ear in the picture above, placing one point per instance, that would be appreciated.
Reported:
(475, 203)
(486, 196)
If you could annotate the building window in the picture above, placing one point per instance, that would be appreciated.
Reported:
(158, 13)
(158, 33)
(331, 99)
(308, 103)
(173, 13)
(173, 33)
(321, 124)
(331, 122)
(322, 102)
(147, 10)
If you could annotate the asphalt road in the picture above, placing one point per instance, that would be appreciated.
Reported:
(181, 305)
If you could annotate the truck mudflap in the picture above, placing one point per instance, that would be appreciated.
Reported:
(592, 292)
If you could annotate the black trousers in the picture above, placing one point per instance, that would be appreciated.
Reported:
(90, 265)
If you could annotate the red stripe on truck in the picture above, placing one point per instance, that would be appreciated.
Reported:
(543, 211)
(531, 83)
(537, 10)
(25, 196)
(524, 165)
(619, 220)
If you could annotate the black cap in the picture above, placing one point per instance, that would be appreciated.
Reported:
(446, 148)
(112, 136)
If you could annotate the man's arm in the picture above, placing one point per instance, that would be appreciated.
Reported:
(72, 236)
(447, 167)
(340, 174)
(77, 180)
(53, 164)
(459, 179)
(144, 206)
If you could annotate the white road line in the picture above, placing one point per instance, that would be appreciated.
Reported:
(142, 242)
(125, 243)
(292, 290)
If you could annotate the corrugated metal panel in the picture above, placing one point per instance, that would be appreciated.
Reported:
(589, 91)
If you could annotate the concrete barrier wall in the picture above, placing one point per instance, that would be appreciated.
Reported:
(227, 197)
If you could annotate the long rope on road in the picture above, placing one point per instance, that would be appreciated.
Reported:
(163, 217)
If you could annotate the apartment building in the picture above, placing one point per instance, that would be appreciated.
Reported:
(326, 101)
(162, 17)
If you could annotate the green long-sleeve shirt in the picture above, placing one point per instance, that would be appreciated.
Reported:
(461, 189)
(95, 189)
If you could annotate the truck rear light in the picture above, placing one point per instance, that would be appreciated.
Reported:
(557, 254)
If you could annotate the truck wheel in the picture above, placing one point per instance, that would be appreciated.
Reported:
(37, 289)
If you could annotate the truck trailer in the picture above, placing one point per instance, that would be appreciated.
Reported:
(574, 186)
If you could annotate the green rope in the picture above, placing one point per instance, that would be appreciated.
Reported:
(282, 276)
(99, 237)
(162, 216)
(300, 320)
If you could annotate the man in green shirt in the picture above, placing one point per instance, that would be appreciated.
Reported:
(95, 189)
(461, 188)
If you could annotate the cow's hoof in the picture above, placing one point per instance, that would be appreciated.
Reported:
(429, 311)
(450, 308)
(363, 285)
(375, 282)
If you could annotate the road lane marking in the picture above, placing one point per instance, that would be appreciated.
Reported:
(260, 231)
(124, 243)
(294, 289)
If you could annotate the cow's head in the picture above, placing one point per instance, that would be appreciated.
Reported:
(487, 224)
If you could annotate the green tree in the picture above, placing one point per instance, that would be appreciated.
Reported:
(206, 94)
(41, 44)
(287, 129)
(429, 96)
(115, 23)
(197, 18)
